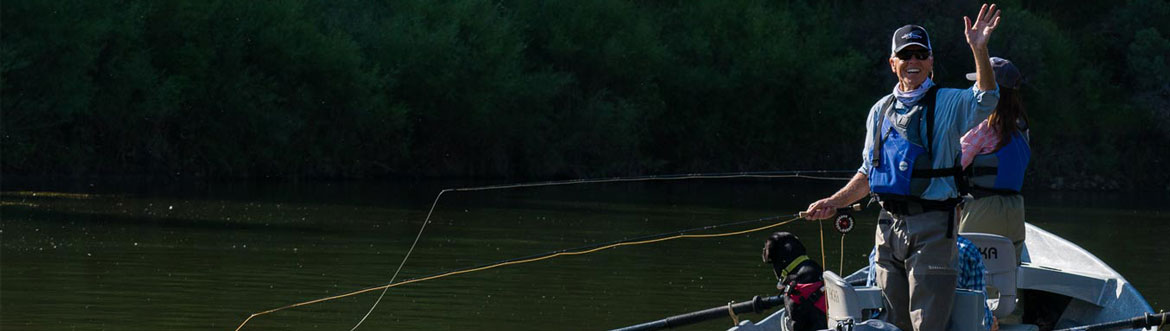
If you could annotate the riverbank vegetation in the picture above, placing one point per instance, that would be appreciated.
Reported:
(533, 89)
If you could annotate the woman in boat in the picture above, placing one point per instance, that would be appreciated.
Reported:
(994, 156)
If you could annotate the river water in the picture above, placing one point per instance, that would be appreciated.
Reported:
(102, 256)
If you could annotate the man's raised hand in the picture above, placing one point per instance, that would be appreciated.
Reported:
(979, 32)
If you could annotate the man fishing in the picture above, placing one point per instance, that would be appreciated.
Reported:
(910, 164)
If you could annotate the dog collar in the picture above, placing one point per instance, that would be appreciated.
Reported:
(793, 265)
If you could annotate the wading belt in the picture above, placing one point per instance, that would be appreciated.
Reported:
(904, 208)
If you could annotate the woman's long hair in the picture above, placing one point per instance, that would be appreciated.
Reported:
(1007, 115)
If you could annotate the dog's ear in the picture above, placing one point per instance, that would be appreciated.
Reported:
(782, 247)
(770, 247)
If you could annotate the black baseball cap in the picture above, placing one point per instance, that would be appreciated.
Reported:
(1006, 73)
(909, 35)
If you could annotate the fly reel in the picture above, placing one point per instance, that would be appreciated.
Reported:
(843, 223)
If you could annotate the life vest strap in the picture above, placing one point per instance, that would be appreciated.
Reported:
(975, 171)
(939, 172)
(927, 101)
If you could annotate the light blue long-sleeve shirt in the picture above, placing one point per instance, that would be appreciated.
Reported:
(956, 112)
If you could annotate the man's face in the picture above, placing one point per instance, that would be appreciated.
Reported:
(912, 65)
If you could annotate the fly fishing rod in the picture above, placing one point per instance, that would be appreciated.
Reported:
(654, 238)
(809, 174)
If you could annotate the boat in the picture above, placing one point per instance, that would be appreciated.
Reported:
(1080, 291)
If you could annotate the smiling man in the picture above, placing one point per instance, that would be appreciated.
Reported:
(911, 166)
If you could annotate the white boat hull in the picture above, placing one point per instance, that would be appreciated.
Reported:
(1052, 264)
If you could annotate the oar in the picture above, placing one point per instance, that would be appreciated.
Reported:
(757, 305)
(1140, 322)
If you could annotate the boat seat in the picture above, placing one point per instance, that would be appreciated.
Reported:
(845, 302)
(999, 258)
(848, 303)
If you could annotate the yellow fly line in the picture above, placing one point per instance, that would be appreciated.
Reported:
(582, 252)
(812, 174)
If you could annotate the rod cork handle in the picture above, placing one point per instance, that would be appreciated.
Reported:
(854, 207)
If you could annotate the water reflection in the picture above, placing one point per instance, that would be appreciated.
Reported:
(206, 258)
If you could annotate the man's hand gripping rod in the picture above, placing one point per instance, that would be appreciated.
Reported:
(842, 210)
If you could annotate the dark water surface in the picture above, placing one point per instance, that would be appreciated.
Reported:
(205, 257)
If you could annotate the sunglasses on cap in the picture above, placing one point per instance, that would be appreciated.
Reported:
(905, 55)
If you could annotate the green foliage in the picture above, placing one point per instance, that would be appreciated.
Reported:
(1149, 59)
(540, 89)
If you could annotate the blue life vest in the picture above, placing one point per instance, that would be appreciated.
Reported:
(901, 157)
(1001, 172)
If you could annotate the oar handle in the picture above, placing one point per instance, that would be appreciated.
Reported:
(854, 207)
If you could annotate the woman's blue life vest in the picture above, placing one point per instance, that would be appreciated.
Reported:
(1001, 172)
(901, 157)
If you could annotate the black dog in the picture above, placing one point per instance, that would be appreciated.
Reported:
(801, 279)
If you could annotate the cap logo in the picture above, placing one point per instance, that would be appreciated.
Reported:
(911, 35)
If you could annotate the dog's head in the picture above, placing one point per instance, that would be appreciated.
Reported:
(781, 249)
